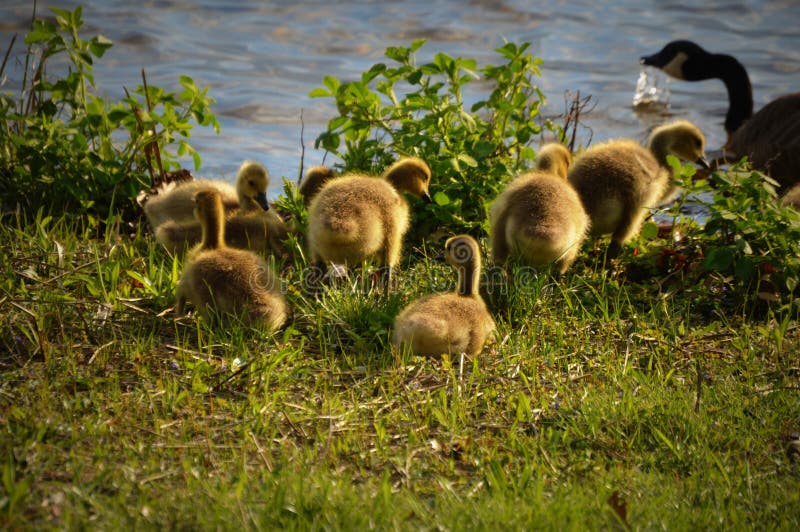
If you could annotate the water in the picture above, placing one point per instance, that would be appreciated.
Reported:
(261, 59)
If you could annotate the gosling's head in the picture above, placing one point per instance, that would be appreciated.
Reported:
(462, 251)
(412, 175)
(683, 139)
(207, 204)
(251, 183)
(554, 158)
(679, 59)
(315, 177)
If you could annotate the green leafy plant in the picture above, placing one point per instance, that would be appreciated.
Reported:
(408, 109)
(56, 144)
(749, 240)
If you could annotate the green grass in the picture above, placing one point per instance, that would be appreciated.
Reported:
(604, 403)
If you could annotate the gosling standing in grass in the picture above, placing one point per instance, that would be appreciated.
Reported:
(354, 218)
(220, 280)
(539, 216)
(619, 181)
(452, 323)
(249, 194)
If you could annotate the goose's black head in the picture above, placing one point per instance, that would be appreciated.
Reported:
(684, 60)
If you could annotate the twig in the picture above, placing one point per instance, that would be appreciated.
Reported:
(302, 149)
(8, 52)
(576, 106)
(261, 452)
(27, 61)
(137, 114)
(699, 384)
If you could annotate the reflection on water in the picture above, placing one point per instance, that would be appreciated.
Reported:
(261, 59)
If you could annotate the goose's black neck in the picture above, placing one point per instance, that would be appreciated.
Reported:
(740, 92)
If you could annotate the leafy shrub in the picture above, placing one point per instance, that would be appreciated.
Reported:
(749, 239)
(409, 109)
(56, 143)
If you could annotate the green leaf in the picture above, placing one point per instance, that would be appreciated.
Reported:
(649, 231)
(791, 283)
(468, 160)
(745, 269)
(99, 45)
(719, 259)
(441, 199)
(332, 83)
(319, 92)
(42, 31)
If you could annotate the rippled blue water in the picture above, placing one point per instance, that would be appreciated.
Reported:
(261, 59)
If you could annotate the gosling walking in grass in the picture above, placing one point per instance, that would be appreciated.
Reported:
(223, 281)
(619, 181)
(539, 216)
(455, 323)
(354, 218)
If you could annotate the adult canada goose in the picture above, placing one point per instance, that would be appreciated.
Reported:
(220, 280)
(262, 232)
(249, 194)
(453, 323)
(315, 177)
(355, 217)
(770, 138)
(619, 181)
(539, 216)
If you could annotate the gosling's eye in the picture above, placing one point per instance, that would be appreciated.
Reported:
(252, 184)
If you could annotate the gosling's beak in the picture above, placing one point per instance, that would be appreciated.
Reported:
(703, 162)
(440, 257)
(261, 199)
(426, 197)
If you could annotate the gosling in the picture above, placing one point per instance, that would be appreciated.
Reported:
(539, 216)
(619, 181)
(452, 323)
(176, 204)
(554, 158)
(223, 281)
(315, 177)
(354, 218)
(262, 232)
